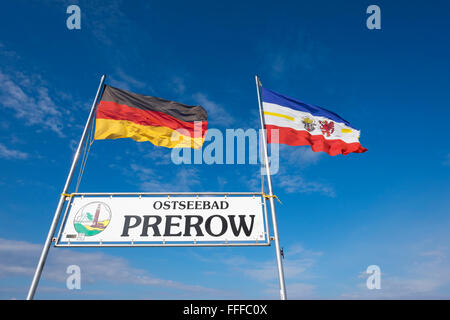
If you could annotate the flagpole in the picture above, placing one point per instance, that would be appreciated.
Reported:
(271, 196)
(62, 198)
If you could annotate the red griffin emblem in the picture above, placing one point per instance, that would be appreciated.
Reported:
(327, 127)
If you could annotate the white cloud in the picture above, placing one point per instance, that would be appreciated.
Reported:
(183, 180)
(6, 52)
(178, 85)
(422, 279)
(294, 183)
(124, 81)
(29, 98)
(19, 258)
(294, 291)
(216, 113)
(298, 267)
(7, 153)
(297, 261)
(296, 248)
(179, 179)
(142, 173)
(290, 177)
(296, 52)
(299, 156)
(104, 18)
(158, 155)
(267, 271)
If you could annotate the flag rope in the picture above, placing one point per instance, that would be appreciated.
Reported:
(90, 141)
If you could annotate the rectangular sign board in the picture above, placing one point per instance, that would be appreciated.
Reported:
(133, 220)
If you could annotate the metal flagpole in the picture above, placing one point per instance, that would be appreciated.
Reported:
(62, 198)
(271, 196)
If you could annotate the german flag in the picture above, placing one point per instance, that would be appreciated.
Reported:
(123, 114)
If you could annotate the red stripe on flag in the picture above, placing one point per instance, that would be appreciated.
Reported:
(114, 111)
(318, 143)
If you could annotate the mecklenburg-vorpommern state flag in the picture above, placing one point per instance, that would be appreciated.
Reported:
(301, 124)
(123, 114)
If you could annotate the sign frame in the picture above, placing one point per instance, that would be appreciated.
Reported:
(58, 242)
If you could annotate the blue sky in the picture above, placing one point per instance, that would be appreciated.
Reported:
(388, 206)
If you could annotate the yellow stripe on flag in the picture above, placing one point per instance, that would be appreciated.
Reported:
(346, 130)
(278, 115)
(159, 136)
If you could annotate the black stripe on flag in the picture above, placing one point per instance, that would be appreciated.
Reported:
(175, 109)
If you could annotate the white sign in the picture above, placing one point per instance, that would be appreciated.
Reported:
(136, 220)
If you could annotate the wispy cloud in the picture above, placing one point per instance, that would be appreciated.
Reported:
(6, 52)
(295, 291)
(183, 180)
(158, 155)
(179, 179)
(302, 156)
(298, 270)
(29, 98)
(295, 183)
(18, 258)
(217, 115)
(7, 153)
(125, 81)
(105, 17)
(296, 52)
(422, 279)
(296, 263)
(178, 85)
(291, 175)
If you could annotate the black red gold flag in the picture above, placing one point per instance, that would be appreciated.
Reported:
(123, 114)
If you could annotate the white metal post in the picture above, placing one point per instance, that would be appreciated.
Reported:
(283, 295)
(51, 232)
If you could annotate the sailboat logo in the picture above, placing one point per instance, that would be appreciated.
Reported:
(92, 219)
